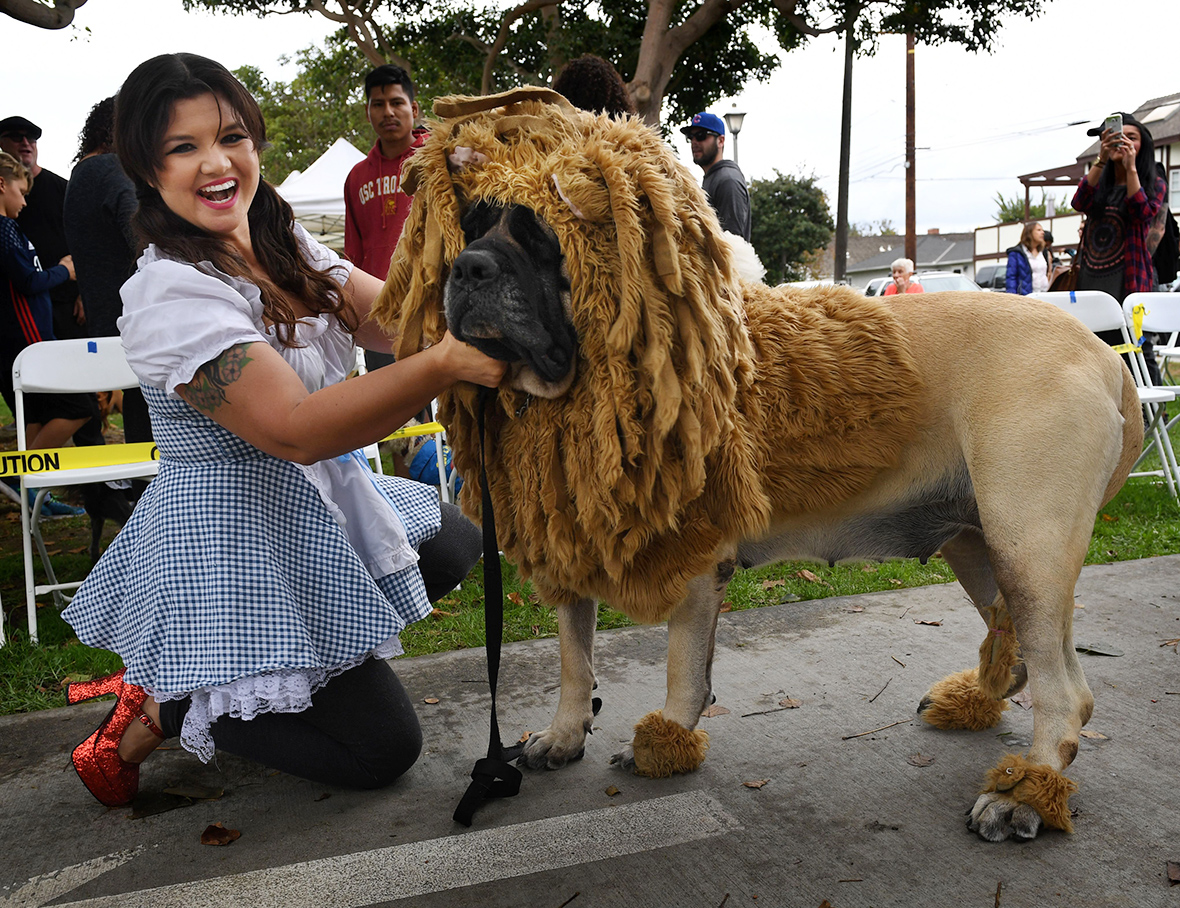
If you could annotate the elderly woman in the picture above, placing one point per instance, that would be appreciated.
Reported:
(1028, 262)
(902, 270)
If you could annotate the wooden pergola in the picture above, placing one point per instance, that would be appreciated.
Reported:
(1069, 176)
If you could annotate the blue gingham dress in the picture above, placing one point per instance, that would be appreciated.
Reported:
(242, 580)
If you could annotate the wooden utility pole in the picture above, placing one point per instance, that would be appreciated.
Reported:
(911, 220)
(840, 253)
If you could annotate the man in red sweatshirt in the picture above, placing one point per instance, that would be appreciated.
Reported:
(375, 205)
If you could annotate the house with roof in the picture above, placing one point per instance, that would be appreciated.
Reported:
(1160, 115)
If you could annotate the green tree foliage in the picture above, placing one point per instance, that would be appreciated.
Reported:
(469, 46)
(791, 225)
(323, 103)
(1010, 210)
(689, 53)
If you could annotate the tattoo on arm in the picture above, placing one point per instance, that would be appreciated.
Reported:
(206, 391)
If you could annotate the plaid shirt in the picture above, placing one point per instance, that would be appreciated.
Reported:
(1138, 273)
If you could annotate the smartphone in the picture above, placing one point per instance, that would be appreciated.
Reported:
(1113, 122)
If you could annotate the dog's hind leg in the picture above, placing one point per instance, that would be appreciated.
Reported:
(667, 741)
(975, 698)
(1037, 581)
(564, 739)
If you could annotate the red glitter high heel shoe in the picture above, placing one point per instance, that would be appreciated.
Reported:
(109, 778)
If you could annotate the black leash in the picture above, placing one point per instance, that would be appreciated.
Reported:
(494, 776)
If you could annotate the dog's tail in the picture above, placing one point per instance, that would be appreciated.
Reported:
(1132, 412)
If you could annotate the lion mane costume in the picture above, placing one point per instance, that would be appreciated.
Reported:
(624, 488)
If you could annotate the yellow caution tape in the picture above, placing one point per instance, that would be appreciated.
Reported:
(53, 460)
(1137, 313)
(1125, 348)
(429, 428)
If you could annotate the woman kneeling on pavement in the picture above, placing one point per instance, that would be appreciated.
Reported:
(266, 572)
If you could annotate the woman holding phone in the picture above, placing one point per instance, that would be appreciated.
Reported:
(1122, 196)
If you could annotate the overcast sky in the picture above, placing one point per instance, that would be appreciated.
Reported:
(983, 119)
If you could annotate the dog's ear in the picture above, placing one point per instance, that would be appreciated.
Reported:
(582, 187)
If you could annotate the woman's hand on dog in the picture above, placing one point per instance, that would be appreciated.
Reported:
(465, 363)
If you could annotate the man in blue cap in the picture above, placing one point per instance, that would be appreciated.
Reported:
(724, 183)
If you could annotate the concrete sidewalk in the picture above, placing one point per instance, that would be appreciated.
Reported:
(846, 819)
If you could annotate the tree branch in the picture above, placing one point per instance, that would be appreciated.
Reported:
(529, 6)
(33, 12)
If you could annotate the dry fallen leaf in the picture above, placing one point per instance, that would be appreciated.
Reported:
(1086, 733)
(515, 598)
(1171, 642)
(790, 703)
(919, 760)
(895, 581)
(439, 613)
(869, 569)
(79, 550)
(1173, 872)
(430, 700)
(771, 584)
(931, 623)
(1022, 698)
(1110, 519)
(807, 575)
(726, 607)
(714, 711)
(855, 608)
(217, 834)
(611, 792)
(757, 783)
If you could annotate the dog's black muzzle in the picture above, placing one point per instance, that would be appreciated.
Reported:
(510, 306)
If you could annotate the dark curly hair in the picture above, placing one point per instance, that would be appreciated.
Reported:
(98, 133)
(591, 83)
(142, 111)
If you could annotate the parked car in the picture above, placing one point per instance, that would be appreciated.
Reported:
(935, 281)
(991, 277)
(877, 286)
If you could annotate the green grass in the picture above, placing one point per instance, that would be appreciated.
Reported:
(1142, 521)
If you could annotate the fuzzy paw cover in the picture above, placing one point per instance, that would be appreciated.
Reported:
(703, 406)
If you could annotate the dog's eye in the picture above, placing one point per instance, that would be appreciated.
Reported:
(531, 234)
(479, 219)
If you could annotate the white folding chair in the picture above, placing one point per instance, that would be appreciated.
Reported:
(73, 366)
(1161, 315)
(1100, 311)
(373, 452)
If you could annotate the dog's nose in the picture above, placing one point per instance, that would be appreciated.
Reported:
(474, 267)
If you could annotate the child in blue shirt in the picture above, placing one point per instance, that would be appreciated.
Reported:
(26, 317)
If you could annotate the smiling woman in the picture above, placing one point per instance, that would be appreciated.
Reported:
(242, 329)
(210, 170)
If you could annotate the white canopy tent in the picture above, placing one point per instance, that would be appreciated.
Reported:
(317, 194)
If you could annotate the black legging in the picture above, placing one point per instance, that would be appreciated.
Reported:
(361, 730)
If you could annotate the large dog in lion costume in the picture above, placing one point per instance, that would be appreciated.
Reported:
(666, 422)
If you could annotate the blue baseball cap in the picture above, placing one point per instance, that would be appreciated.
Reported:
(705, 120)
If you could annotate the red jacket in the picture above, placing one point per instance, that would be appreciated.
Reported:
(375, 208)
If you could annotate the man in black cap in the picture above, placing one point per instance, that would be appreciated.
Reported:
(724, 183)
(42, 220)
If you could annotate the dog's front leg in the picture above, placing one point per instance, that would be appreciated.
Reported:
(667, 741)
(564, 739)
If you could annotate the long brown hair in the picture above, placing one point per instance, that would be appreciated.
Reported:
(1026, 237)
(143, 109)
